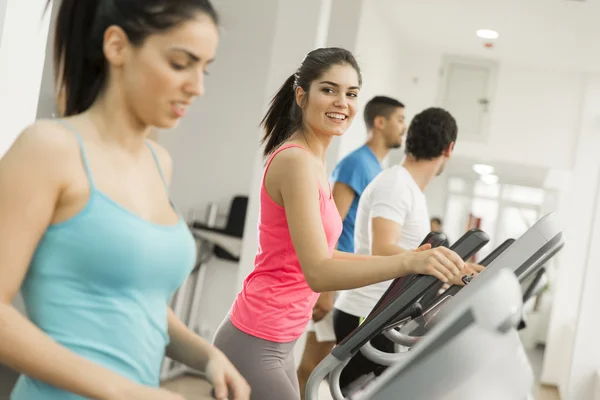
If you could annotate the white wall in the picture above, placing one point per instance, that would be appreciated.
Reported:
(535, 117)
(22, 54)
(381, 64)
(2, 14)
(585, 360)
(572, 353)
(534, 113)
(47, 99)
(437, 196)
(347, 13)
(21, 27)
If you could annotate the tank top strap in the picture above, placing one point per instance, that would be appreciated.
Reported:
(84, 158)
(160, 171)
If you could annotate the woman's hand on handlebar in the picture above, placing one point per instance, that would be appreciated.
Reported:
(440, 262)
(471, 269)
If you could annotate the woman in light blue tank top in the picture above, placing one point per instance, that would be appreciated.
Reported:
(90, 235)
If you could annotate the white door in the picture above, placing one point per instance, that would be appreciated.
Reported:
(466, 94)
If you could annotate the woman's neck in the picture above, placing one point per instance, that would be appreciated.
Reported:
(115, 122)
(315, 142)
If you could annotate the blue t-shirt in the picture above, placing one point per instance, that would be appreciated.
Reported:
(356, 170)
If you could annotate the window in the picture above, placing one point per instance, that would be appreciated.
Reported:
(484, 190)
(487, 210)
(514, 221)
(457, 185)
(506, 211)
(523, 194)
(457, 216)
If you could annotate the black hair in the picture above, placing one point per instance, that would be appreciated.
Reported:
(79, 62)
(284, 116)
(437, 220)
(430, 133)
(380, 106)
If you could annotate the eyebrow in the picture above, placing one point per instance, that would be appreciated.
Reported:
(190, 55)
(336, 85)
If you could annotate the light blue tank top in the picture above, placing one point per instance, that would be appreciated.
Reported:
(100, 283)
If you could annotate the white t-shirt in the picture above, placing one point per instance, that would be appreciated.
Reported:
(393, 195)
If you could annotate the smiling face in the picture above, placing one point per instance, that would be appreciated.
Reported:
(162, 77)
(330, 105)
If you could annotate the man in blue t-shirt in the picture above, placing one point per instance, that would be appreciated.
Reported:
(384, 118)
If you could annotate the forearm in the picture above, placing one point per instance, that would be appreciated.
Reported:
(28, 350)
(185, 346)
(342, 255)
(344, 274)
(388, 249)
(326, 300)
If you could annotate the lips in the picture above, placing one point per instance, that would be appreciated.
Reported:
(179, 109)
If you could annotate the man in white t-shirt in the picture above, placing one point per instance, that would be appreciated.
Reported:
(392, 217)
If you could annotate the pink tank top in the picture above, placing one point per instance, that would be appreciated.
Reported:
(276, 303)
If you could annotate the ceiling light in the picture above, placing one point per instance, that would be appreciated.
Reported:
(489, 179)
(483, 169)
(487, 34)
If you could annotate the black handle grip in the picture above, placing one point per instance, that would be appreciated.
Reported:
(435, 239)
(397, 303)
(431, 296)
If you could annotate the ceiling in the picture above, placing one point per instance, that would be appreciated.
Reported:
(557, 34)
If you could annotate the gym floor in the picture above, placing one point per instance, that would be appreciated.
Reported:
(194, 388)
(190, 387)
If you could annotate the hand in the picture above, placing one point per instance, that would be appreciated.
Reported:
(440, 262)
(470, 269)
(322, 307)
(473, 269)
(225, 377)
(319, 313)
(139, 392)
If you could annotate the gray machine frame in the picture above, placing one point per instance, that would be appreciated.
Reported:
(522, 258)
(474, 353)
(387, 312)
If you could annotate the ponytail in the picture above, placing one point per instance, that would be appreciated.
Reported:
(79, 64)
(283, 118)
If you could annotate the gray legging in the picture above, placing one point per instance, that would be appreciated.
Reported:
(268, 366)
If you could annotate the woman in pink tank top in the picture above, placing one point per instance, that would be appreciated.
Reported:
(299, 226)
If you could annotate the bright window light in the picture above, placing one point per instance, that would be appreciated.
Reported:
(489, 179)
(487, 34)
(483, 169)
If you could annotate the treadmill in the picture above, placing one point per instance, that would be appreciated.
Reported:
(521, 259)
(433, 302)
(472, 354)
(524, 257)
(391, 308)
